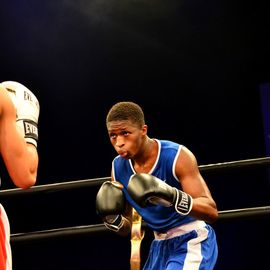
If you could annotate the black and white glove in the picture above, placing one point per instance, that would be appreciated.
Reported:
(27, 108)
(145, 188)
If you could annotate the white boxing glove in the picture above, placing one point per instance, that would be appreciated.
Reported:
(27, 107)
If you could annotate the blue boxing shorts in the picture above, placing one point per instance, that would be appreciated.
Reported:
(187, 247)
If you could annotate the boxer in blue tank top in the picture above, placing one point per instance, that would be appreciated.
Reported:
(160, 179)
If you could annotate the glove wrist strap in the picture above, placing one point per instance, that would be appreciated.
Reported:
(116, 224)
(184, 202)
(29, 129)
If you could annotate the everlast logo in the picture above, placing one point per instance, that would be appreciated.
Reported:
(183, 205)
(30, 129)
(28, 96)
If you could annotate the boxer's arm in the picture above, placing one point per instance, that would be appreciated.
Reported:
(193, 183)
(21, 159)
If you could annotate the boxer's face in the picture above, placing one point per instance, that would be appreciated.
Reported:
(126, 137)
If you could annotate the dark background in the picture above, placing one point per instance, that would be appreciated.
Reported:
(194, 66)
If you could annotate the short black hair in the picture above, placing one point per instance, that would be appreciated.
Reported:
(126, 110)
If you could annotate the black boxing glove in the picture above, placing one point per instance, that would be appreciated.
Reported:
(110, 204)
(145, 188)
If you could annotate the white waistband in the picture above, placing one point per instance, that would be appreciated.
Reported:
(180, 230)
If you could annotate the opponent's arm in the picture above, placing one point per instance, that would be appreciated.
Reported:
(21, 158)
(111, 206)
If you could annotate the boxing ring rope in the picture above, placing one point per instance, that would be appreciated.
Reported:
(258, 162)
(263, 211)
(255, 212)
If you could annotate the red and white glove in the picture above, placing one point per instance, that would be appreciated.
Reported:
(27, 107)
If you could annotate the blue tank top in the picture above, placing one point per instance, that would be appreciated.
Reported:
(158, 218)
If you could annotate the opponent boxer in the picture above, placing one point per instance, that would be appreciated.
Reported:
(160, 179)
(19, 113)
